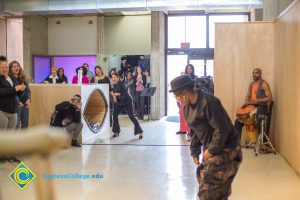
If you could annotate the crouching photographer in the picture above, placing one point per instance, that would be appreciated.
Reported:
(67, 114)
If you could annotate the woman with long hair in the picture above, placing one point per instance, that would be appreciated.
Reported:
(62, 76)
(122, 101)
(184, 128)
(85, 79)
(9, 90)
(140, 82)
(190, 70)
(99, 76)
(16, 72)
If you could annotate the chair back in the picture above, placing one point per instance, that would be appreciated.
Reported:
(269, 116)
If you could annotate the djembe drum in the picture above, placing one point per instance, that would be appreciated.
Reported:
(246, 115)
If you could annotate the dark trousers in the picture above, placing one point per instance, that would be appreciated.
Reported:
(216, 174)
(140, 102)
(117, 110)
(22, 117)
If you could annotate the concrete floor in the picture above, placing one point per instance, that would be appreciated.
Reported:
(158, 167)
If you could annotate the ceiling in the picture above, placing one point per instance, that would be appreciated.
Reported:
(50, 7)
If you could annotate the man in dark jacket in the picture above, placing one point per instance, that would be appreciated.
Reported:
(68, 114)
(212, 132)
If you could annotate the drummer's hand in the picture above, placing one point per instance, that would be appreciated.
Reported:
(253, 102)
(196, 160)
(250, 102)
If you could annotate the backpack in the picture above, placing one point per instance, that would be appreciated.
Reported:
(204, 84)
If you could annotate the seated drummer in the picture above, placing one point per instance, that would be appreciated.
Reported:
(258, 95)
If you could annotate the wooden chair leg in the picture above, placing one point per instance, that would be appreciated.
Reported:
(44, 187)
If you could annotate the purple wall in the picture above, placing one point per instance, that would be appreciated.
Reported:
(70, 63)
(41, 68)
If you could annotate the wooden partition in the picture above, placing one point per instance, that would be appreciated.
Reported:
(287, 79)
(45, 97)
(95, 108)
(274, 47)
(239, 48)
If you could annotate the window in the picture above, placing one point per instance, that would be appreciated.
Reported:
(191, 29)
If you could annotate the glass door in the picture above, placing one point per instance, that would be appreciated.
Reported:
(203, 67)
(176, 67)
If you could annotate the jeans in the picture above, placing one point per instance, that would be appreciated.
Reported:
(22, 117)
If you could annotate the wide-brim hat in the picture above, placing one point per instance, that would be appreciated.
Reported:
(181, 82)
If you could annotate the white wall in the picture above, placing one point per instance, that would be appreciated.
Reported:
(124, 35)
(73, 36)
(128, 35)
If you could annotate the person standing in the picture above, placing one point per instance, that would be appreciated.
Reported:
(140, 82)
(130, 86)
(122, 101)
(213, 133)
(89, 73)
(8, 97)
(184, 128)
(144, 63)
(190, 70)
(16, 72)
(125, 67)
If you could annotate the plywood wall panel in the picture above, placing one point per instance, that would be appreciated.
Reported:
(241, 47)
(275, 47)
(44, 99)
(287, 93)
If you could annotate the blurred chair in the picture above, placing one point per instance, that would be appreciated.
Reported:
(37, 144)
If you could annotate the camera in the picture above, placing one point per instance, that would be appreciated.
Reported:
(75, 100)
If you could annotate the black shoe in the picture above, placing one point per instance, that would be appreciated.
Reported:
(115, 135)
(13, 160)
(141, 135)
(3, 160)
(74, 143)
(180, 132)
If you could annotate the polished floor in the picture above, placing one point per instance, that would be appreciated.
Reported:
(159, 167)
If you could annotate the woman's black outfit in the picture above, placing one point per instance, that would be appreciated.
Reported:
(63, 79)
(104, 80)
(124, 101)
(8, 96)
(50, 80)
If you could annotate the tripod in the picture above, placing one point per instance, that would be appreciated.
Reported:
(263, 139)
